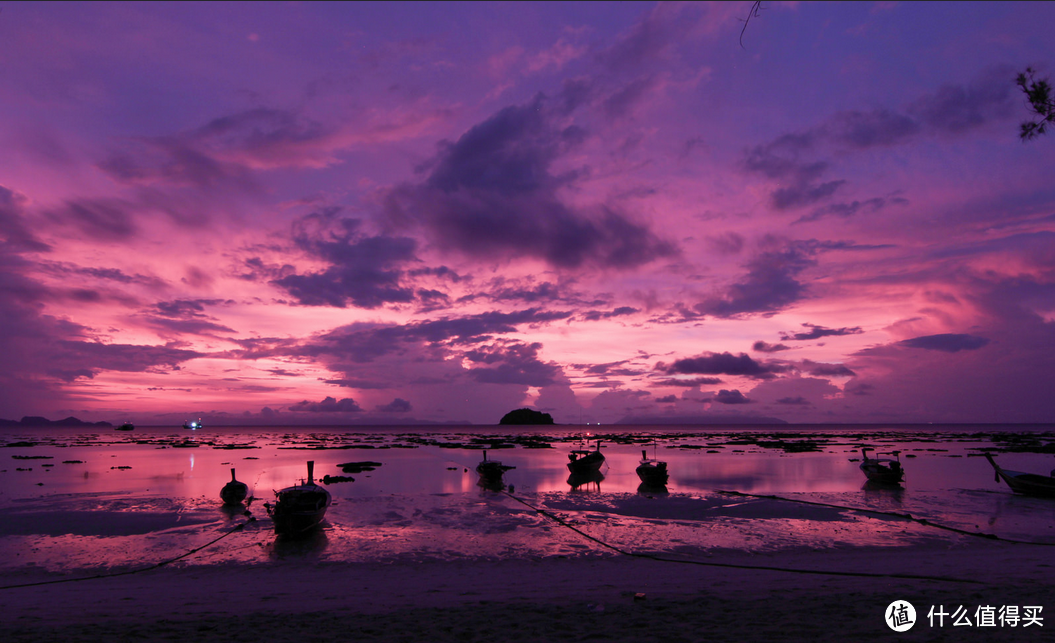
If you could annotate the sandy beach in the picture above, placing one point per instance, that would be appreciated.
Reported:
(127, 540)
(608, 598)
(598, 595)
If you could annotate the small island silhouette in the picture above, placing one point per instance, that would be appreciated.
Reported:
(526, 416)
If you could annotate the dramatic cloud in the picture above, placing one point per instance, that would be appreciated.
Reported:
(959, 108)
(946, 342)
(826, 370)
(365, 342)
(845, 210)
(13, 229)
(364, 269)
(721, 364)
(186, 316)
(791, 160)
(75, 359)
(327, 405)
(622, 311)
(817, 332)
(765, 347)
(800, 180)
(102, 219)
(731, 397)
(771, 283)
(492, 193)
(397, 222)
(397, 405)
(511, 363)
(221, 154)
(695, 382)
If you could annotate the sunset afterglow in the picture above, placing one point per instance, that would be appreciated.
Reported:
(402, 213)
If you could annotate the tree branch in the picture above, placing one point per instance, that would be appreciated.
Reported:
(1039, 95)
(756, 8)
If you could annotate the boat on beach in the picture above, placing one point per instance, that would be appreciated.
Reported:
(652, 471)
(299, 509)
(884, 471)
(1028, 484)
(234, 491)
(585, 461)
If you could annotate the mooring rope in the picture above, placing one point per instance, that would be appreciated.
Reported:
(793, 570)
(894, 514)
(238, 527)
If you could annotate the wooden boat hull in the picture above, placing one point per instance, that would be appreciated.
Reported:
(1027, 484)
(883, 471)
(297, 524)
(585, 464)
(492, 469)
(882, 475)
(234, 492)
(299, 509)
(653, 474)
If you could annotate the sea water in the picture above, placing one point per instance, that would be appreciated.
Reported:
(87, 499)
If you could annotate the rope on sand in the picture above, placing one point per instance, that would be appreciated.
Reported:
(238, 527)
(894, 514)
(704, 563)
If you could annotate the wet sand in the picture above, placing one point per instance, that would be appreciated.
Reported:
(605, 597)
(472, 565)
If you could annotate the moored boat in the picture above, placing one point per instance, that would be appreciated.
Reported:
(492, 469)
(299, 509)
(584, 461)
(885, 471)
(234, 491)
(652, 471)
(1029, 484)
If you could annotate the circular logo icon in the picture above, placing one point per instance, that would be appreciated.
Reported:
(900, 616)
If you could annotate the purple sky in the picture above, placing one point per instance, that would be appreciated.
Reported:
(397, 213)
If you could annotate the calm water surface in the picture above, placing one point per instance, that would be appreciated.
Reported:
(74, 498)
(189, 464)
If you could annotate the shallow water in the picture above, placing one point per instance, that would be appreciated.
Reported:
(82, 500)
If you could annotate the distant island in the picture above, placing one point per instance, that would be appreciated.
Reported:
(526, 416)
(33, 420)
(699, 419)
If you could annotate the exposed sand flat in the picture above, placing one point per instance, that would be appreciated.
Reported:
(593, 597)
(444, 560)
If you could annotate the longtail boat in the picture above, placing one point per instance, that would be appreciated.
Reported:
(299, 509)
(1029, 484)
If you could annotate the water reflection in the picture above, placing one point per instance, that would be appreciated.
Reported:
(153, 464)
(649, 489)
(123, 501)
(491, 483)
(491, 473)
(888, 488)
(586, 482)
